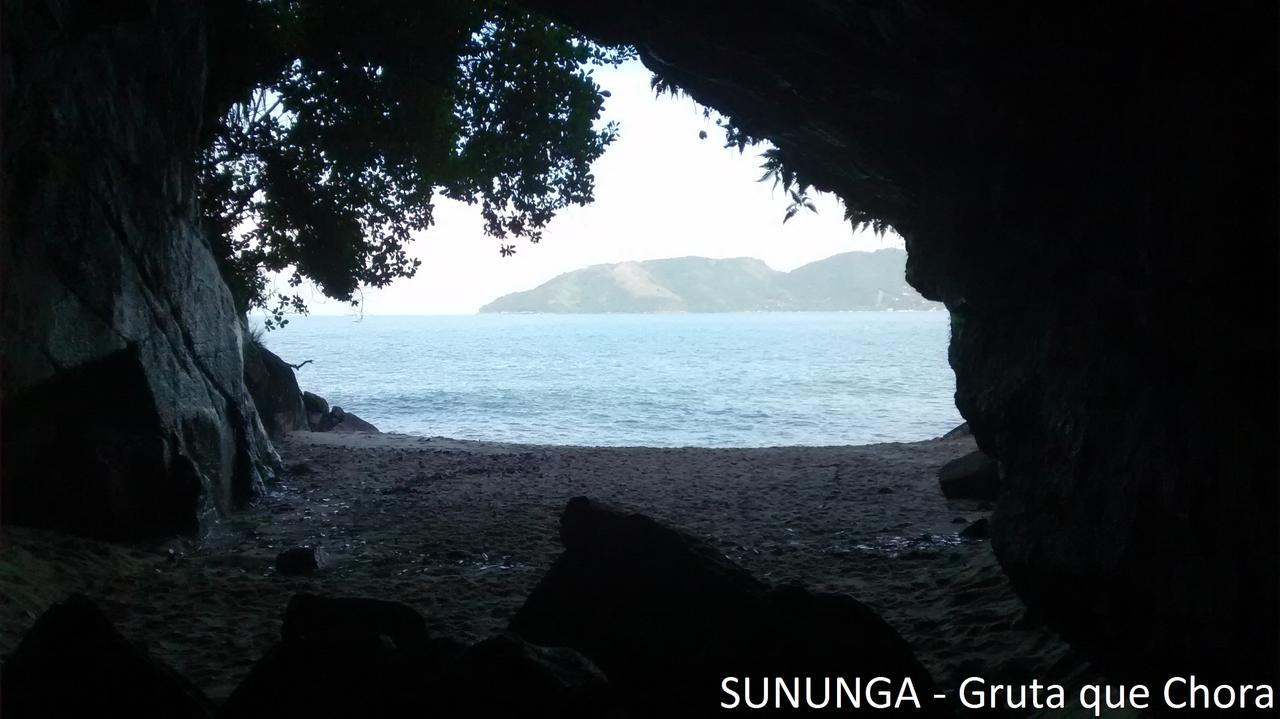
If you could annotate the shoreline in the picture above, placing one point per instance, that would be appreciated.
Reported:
(463, 529)
(487, 445)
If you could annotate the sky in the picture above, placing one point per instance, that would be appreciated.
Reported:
(661, 191)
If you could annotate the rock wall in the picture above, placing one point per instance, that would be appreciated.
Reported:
(125, 413)
(1091, 189)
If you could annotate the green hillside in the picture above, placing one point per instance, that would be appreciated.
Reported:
(848, 281)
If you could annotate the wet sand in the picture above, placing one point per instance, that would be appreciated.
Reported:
(463, 530)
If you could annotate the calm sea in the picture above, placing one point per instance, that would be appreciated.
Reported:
(711, 380)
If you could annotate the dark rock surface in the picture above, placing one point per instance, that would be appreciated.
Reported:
(1084, 188)
(125, 413)
(73, 663)
(973, 476)
(667, 616)
(274, 388)
(316, 408)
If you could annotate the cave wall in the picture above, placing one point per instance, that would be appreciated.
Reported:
(125, 413)
(1091, 189)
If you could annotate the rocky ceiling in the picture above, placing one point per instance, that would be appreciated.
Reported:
(1091, 188)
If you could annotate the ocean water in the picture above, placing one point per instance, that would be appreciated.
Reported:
(708, 380)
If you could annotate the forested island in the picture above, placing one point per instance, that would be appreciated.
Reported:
(847, 281)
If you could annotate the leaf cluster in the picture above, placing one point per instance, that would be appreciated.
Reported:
(346, 120)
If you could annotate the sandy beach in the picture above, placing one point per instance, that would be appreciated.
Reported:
(463, 530)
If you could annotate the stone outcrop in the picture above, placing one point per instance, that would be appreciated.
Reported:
(317, 408)
(125, 413)
(274, 388)
(667, 617)
(1091, 189)
(340, 420)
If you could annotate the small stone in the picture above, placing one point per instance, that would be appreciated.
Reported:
(301, 562)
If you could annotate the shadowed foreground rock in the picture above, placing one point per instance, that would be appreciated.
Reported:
(667, 617)
(355, 657)
(73, 663)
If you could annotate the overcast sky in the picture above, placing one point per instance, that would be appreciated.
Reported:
(660, 192)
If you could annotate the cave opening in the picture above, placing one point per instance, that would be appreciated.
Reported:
(694, 302)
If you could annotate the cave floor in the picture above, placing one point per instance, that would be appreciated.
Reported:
(463, 530)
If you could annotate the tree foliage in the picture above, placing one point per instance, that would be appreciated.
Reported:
(335, 124)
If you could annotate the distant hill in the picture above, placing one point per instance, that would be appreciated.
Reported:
(848, 281)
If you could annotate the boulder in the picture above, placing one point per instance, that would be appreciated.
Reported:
(959, 432)
(973, 476)
(301, 561)
(74, 663)
(274, 387)
(316, 408)
(667, 617)
(339, 420)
